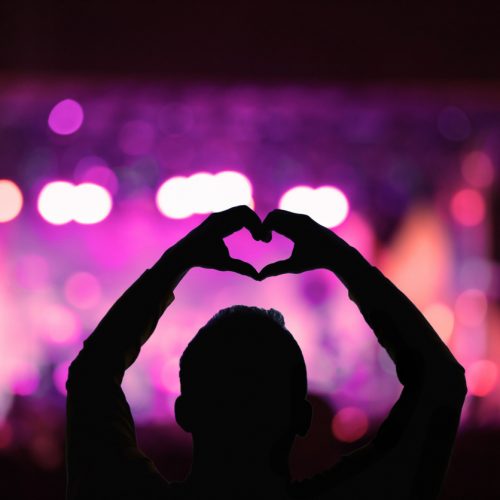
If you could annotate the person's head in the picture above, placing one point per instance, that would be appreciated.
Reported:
(243, 377)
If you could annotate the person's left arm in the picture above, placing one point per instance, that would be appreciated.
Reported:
(409, 456)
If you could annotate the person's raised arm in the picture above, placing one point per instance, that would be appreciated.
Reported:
(409, 456)
(103, 460)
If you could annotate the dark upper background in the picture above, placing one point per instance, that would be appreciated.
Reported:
(308, 41)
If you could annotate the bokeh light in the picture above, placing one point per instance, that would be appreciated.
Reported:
(327, 205)
(102, 176)
(201, 192)
(231, 189)
(172, 198)
(95, 170)
(477, 169)
(180, 197)
(91, 203)
(470, 307)
(57, 324)
(481, 377)
(468, 207)
(11, 200)
(349, 424)
(55, 202)
(60, 202)
(441, 318)
(66, 117)
(82, 290)
(422, 242)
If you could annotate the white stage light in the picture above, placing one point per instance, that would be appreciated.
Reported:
(327, 205)
(55, 202)
(231, 189)
(91, 203)
(201, 193)
(60, 202)
(172, 199)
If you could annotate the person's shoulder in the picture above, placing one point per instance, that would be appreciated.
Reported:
(340, 480)
(325, 482)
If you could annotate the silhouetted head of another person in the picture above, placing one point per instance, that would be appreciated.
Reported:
(244, 384)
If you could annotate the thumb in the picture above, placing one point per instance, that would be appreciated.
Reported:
(240, 267)
(276, 268)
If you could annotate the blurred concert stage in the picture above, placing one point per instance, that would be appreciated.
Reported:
(102, 168)
(100, 178)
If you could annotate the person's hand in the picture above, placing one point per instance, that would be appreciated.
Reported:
(316, 247)
(204, 246)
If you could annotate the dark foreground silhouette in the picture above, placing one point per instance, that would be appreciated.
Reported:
(244, 386)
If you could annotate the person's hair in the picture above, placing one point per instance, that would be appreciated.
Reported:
(242, 333)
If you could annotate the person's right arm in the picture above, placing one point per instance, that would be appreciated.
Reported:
(409, 456)
(103, 459)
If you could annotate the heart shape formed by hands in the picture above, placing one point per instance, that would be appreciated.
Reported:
(258, 253)
(312, 244)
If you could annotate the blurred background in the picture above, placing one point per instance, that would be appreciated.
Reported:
(122, 127)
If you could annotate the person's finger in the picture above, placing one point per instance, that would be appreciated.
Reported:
(276, 268)
(286, 223)
(240, 267)
(267, 235)
(236, 218)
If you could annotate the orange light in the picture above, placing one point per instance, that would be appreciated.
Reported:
(441, 318)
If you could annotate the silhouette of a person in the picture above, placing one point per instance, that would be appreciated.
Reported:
(244, 387)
